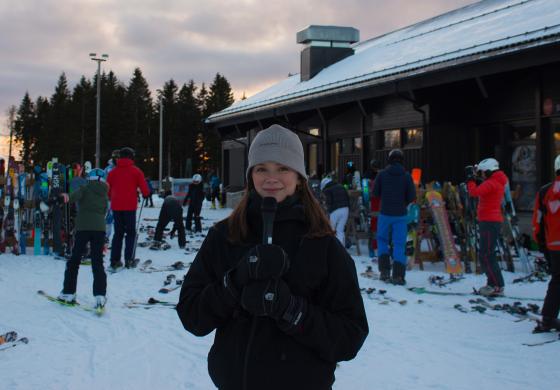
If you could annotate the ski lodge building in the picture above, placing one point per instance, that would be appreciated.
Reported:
(480, 81)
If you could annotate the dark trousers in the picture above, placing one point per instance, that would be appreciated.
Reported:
(193, 212)
(487, 253)
(551, 306)
(96, 241)
(148, 199)
(163, 220)
(125, 224)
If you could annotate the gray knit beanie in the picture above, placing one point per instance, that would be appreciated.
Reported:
(280, 145)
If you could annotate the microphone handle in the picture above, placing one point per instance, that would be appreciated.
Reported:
(267, 229)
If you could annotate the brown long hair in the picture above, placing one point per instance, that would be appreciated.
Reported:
(315, 217)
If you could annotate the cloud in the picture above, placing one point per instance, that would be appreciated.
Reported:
(252, 43)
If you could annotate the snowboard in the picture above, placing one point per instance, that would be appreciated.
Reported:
(447, 242)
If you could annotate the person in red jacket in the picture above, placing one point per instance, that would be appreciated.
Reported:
(124, 181)
(546, 231)
(490, 194)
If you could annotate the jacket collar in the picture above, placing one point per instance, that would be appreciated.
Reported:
(124, 162)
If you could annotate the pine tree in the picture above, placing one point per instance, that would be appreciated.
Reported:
(219, 98)
(83, 117)
(190, 125)
(59, 121)
(171, 130)
(24, 128)
(40, 152)
(138, 113)
(112, 118)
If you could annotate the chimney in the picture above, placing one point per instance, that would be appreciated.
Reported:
(324, 45)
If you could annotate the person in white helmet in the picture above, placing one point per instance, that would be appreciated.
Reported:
(546, 231)
(490, 194)
(194, 199)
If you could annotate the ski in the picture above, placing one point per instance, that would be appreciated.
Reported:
(541, 342)
(177, 266)
(166, 290)
(423, 290)
(151, 302)
(15, 343)
(98, 311)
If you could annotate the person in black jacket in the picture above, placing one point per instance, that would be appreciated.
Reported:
(284, 313)
(194, 199)
(171, 211)
(396, 189)
(338, 205)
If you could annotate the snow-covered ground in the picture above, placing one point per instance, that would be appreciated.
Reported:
(423, 344)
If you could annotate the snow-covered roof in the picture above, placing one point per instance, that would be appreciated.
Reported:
(480, 30)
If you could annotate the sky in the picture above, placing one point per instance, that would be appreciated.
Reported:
(252, 43)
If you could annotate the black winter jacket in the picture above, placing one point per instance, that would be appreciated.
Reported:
(260, 350)
(195, 195)
(336, 196)
(396, 189)
(171, 209)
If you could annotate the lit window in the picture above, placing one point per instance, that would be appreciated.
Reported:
(413, 138)
(392, 139)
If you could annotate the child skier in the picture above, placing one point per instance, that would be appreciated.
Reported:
(92, 200)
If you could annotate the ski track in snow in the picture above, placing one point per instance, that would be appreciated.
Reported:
(427, 345)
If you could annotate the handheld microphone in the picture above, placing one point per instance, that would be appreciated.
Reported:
(268, 209)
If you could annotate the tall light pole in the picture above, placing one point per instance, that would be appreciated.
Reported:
(102, 58)
(160, 140)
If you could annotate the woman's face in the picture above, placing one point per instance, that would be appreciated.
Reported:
(275, 180)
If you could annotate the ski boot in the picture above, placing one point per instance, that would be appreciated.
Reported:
(384, 267)
(491, 291)
(67, 298)
(115, 266)
(131, 263)
(100, 301)
(547, 324)
(156, 245)
(399, 271)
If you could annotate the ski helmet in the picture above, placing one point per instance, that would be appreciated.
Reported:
(115, 154)
(396, 155)
(126, 152)
(324, 182)
(557, 164)
(96, 174)
(374, 164)
(488, 164)
(197, 178)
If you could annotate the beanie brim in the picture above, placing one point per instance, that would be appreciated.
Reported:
(284, 157)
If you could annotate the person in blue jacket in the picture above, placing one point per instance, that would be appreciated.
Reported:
(396, 189)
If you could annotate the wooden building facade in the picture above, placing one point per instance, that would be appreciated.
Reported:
(502, 102)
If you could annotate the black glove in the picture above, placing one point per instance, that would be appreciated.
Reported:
(264, 261)
(273, 298)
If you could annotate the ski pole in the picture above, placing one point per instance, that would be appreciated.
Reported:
(136, 231)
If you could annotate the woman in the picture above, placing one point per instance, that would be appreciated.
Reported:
(284, 313)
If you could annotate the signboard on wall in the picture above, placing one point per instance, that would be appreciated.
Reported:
(524, 175)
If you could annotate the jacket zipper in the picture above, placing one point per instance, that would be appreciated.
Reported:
(248, 351)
